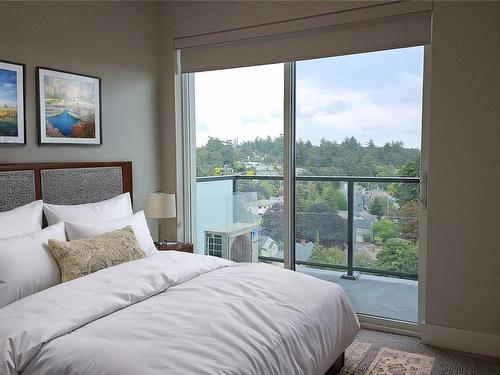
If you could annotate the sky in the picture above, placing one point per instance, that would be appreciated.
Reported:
(376, 95)
(8, 84)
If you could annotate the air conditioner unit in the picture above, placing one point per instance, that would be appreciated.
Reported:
(237, 242)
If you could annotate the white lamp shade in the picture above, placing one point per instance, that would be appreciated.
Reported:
(160, 206)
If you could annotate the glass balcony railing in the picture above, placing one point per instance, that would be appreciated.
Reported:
(352, 224)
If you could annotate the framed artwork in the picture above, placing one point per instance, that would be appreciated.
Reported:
(68, 108)
(12, 110)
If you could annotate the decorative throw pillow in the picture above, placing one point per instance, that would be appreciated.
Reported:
(82, 257)
(77, 231)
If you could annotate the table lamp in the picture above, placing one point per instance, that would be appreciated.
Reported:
(160, 206)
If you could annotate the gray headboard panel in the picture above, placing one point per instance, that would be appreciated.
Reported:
(17, 188)
(80, 185)
(63, 183)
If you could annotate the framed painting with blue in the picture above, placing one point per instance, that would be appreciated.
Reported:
(68, 108)
(12, 110)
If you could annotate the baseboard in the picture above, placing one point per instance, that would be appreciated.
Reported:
(462, 340)
(389, 325)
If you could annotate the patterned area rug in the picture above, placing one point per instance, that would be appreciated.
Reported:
(365, 359)
(368, 348)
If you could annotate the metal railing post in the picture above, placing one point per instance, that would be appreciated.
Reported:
(235, 189)
(350, 229)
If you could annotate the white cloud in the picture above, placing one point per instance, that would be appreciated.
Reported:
(239, 103)
(246, 103)
(390, 113)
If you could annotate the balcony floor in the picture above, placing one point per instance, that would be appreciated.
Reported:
(375, 295)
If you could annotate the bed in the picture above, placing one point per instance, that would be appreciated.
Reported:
(169, 313)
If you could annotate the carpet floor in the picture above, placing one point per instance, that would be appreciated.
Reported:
(380, 353)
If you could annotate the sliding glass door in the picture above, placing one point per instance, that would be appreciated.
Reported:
(347, 211)
(358, 126)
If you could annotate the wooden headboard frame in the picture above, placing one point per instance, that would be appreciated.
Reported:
(126, 171)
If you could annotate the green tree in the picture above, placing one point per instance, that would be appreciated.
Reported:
(272, 222)
(215, 153)
(377, 206)
(334, 198)
(318, 220)
(367, 237)
(321, 219)
(216, 171)
(270, 188)
(384, 230)
(381, 171)
(410, 168)
(327, 255)
(381, 206)
(406, 192)
(238, 166)
(362, 260)
(348, 157)
(306, 194)
(264, 189)
(398, 255)
(408, 222)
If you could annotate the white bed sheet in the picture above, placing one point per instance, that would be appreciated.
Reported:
(178, 313)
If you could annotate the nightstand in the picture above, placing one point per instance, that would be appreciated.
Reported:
(179, 246)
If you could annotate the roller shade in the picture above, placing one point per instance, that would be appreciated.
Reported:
(394, 25)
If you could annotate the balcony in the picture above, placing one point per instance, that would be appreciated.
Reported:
(351, 235)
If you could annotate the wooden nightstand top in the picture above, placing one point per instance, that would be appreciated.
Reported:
(179, 246)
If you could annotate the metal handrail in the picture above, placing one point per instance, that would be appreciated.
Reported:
(406, 275)
(411, 180)
(350, 268)
(215, 178)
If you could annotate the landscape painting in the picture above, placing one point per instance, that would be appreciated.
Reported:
(68, 108)
(12, 122)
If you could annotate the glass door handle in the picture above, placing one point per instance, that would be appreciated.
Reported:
(422, 194)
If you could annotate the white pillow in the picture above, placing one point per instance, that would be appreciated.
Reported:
(21, 220)
(114, 208)
(77, 231)
(26, 264)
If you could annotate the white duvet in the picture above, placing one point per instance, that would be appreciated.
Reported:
(178, 313)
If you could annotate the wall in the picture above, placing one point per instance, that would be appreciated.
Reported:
(463, 284)
(115, 41)
(463, 236)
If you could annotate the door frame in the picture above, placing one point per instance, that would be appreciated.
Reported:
(186, 180)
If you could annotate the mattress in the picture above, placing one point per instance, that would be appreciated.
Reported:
(179, 313)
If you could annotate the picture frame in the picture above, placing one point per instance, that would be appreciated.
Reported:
(12, 103)
(68, 108)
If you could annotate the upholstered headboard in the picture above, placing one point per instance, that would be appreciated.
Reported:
(63, 183)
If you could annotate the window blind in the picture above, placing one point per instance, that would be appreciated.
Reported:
(380, 27)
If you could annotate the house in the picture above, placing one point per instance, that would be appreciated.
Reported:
(269, 247)
(303, 251)
(363, 222)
